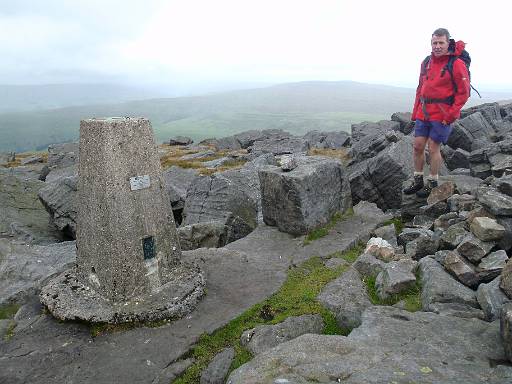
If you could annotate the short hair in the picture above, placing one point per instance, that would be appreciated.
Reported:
(442, 32)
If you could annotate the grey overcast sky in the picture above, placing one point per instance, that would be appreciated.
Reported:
(268, 41)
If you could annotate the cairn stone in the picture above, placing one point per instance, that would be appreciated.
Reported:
(128, 264)
(474, 249)
(491, 298)
(487, 229)
(497, 203)
(461, 269)
(492, 265)
(380, 248)
(441, 193)
(453, 236)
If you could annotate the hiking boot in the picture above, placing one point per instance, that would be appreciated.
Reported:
(415, 186)
(425, 191)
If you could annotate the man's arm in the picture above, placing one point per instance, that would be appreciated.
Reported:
(461, 79)
(418, 91)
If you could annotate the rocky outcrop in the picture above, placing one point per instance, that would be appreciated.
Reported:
(424, 347)
(22, 216)
(379, 179)
(24, 269)
(264, 337)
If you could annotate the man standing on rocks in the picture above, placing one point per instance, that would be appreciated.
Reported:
(442, 91)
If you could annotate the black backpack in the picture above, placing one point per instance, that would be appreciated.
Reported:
(464, 56)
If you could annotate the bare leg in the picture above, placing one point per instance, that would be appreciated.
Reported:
(419, 153)
(435, 157)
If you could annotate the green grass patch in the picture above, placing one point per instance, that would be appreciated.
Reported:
(8, 311)
(411, 297)
(324, 231)
(397, 222)
(297, 296)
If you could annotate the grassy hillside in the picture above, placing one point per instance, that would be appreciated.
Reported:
(296, 107)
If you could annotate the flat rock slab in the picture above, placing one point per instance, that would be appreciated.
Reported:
(391, 345)
(265, 337)
(25, 268)
(253, 267)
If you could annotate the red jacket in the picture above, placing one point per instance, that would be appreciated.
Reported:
(434, 86)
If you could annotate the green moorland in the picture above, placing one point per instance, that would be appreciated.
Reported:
(296, 107)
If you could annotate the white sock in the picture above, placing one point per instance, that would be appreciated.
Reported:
(433, 177)
(418, 173)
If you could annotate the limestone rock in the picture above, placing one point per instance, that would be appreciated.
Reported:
(504, 185)
(464, 202)
(506, 241)
(367, 128)
(463, 311)
(506, 279)
(474, 249)
(417, 344)
(327, 140)
(453, 236)
(206, 234)
(288, 163)
(60, 200)
(368, 265)
(409, 234)
(496, 202)
(441, 193)
(506, 328)
(491, 298)
(229, 197)
(306, 197)
(434, 210)
(24, 269)
(396, 277)
(380, 248)
(177, 180)
(422, 246)
(422, 221)
(218, 368)
(447, 220)
(264, 337)
(404, 119)
(439, 287)
(461, 269)
(492, 265)
(379, 179)
(388, 233)
(347, 298)
(280, 145)
(180, 140)
(487, 229)
(22, 216)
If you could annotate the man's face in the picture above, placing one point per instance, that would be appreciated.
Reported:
(439, 45)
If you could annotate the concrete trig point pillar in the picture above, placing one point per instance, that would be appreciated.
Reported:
(128, 255)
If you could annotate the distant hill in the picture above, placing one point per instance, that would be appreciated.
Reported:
(296, 107)
(16, 98)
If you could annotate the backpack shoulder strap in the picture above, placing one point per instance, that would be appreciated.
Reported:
(424, 65)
